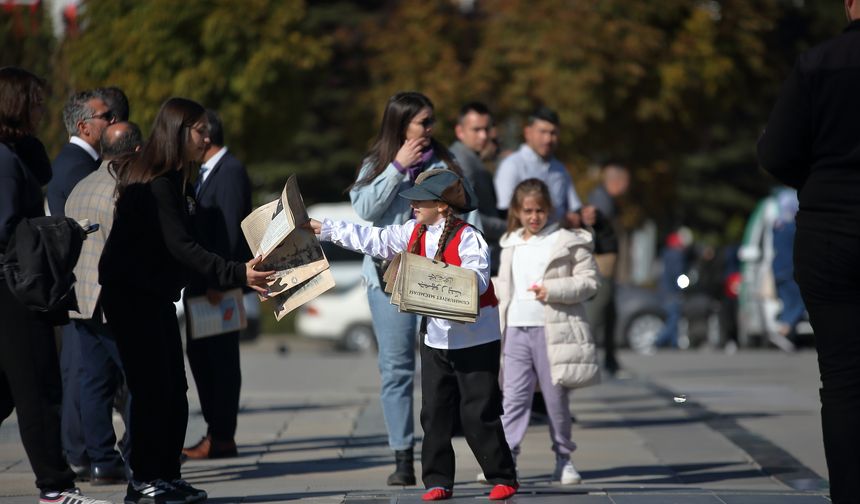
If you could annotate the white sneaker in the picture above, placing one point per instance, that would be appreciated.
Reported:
(566, 473)
(70, 496)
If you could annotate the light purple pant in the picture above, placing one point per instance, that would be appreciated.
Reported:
(526, 364)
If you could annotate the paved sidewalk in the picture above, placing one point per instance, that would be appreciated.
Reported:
(311, 429)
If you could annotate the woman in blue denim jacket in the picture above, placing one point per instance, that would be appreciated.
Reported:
(403, 149)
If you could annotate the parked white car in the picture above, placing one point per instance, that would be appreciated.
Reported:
(341, 314)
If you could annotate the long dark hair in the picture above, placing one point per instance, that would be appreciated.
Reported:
(165, 149)
(399, 112)
(19, 91)
(528, 187)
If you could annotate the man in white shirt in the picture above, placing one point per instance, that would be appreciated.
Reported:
(536, 159)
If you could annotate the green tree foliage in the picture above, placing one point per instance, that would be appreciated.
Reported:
(252, 60)
(680, 89)
(26, 41)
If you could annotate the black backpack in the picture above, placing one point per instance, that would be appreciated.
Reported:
(39, 263)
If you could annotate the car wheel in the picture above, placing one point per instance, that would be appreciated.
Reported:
(359, 338)
(642, 330)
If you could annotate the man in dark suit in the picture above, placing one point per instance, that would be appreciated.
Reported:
(86, 115)
(101, 374)
(223, 200)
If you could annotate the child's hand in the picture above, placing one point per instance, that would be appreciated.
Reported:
(313, 225)
(539, 290)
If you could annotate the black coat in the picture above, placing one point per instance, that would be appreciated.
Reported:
(151, 247)
(811, 141)
(24, 168)
(71, 165)
(223, 201)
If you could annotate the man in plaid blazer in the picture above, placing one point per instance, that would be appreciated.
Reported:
(100, 373)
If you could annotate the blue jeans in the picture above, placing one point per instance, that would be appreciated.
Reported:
(668, 336)
(395, 337)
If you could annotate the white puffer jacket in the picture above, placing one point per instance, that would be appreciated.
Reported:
(570, 278)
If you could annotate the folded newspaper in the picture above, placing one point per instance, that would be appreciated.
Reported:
(275, 232)
(206, 319)
(424, 286)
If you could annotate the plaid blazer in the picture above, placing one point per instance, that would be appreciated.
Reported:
(92, 198)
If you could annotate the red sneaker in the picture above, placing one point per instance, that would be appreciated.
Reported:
(437, 493)
(502, 492)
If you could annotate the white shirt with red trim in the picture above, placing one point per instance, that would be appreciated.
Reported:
(385, 243)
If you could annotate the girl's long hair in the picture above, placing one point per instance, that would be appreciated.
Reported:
(528, 187)
(166, 148)
(20, 90)
(399, 112)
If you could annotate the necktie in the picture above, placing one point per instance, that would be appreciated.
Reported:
(200, 175)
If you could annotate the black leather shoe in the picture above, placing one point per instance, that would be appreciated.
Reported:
(404, 471)
(108, 475)
(82, 472)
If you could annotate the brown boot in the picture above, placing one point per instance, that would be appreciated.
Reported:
(209, 448)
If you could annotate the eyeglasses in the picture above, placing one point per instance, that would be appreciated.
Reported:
(107, 115)
(426, 123)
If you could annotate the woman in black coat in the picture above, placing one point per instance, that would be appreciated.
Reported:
(148, 258)
(29, 369)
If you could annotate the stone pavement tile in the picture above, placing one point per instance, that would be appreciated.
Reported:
(773, 499)
(685, 448)
(665, 498)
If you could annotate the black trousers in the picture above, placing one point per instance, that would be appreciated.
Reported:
(602, 316)
(150, 347)
(827, 268)
(464, 380)
(30, 383)
(214, 363)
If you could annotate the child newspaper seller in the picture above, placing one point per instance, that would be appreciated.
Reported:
(459, 361)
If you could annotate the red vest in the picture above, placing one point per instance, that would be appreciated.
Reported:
(451, 255)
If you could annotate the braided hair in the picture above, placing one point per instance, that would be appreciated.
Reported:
(450, 219)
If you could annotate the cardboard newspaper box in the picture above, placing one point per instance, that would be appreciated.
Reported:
(294, 253)
(432, 288)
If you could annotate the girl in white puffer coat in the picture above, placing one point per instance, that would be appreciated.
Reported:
(545, 275)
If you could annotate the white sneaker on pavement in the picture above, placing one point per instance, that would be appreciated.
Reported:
(70, 496)
(566, 473)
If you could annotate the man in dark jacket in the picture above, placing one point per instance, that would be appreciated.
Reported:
(86, 115)
(811, 144)
(223, 200)
(473, 135)
(614, 182)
